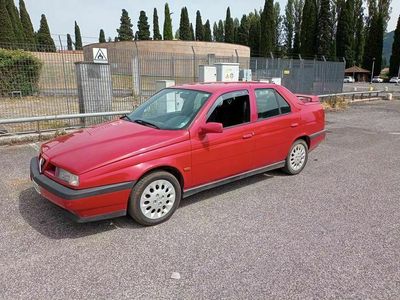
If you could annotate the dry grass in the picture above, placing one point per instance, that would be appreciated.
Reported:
(335, 104)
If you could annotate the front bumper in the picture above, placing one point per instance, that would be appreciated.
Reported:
(85, 205)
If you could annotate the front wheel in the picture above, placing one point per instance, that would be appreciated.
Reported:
(155, 198)
(297, 158)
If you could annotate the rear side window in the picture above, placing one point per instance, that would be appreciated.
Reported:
(270, 103)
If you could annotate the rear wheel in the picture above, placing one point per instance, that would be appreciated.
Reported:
(155, 198)
(297, 158)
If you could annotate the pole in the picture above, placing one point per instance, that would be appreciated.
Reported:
(373, 66)
(354, 71)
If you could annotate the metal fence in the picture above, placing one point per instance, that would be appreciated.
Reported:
(133, 79)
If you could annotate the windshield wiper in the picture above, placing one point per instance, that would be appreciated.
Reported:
(145, 123)
(126, 117)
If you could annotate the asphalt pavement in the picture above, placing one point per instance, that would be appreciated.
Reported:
(331, 232)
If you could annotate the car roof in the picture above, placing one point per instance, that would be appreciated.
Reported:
(212, 87)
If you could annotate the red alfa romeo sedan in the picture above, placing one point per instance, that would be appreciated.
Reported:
(181, 141)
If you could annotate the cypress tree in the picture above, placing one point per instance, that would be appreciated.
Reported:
(288, 26)
(229, 29)
(345, 32)
(27, 27)
(395, 57)
(143, 27)
(19, 36)
(207, 31)
(324, 30)
(184, 26)
(298, 16)
(78, 37)
(44, 40)
(236, 25)
(156, 28)
(102, 36)
(168, 35)
(267, 27)
(359, 35)
(6, 29)
(221, 32)
(243, 31)
(278, 26)
(69, 42)
(373, 49)
(199, 27)
(254, 33)
(308, 29)
(125, 32)
(215, 31)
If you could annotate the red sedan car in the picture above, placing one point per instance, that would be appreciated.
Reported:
(181, 141)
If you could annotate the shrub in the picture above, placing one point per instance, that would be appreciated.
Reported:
(19, 71)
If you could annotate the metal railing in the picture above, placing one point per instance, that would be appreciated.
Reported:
(355, 96)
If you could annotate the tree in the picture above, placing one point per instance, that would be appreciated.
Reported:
(373, 49)
(69, 42)
(243, 31)
(345, 32)
(44, 40)
(267, 27)
(229, 30)
(199, 27)
(125, 32)
(298, 16)
(359, 35)
(19, 36)
(278, 26)
(207, 31)
(78, 37)
(254, 20)
(236, 25)
(395, 57)
(168, 35)
(184, 26)
(6, 29)
(156, 29)
(288, 26)
(324, 30)
(308, 29)
(143, 27)
(26, 25)
(102, 36)
(219, 32)
(215, 31)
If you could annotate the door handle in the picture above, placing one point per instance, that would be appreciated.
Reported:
(294, 125)
(248, 135)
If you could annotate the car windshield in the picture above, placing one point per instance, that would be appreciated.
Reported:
(169, 109)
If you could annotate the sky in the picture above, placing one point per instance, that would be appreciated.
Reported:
(92, 15)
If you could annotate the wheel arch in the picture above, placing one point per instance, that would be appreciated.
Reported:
(174, 171)
(305, 138)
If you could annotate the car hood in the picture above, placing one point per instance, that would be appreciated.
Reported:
(91, 148)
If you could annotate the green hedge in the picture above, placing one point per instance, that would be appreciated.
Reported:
(19, 71)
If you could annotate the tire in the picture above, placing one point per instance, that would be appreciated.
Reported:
(154, 198)
(297, 158)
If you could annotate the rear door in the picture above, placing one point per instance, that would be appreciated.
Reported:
(275, 129)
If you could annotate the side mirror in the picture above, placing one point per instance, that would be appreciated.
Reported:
(211, 127)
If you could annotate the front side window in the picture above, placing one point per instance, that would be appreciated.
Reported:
(231, 109)
(270, 103)
(170, 109)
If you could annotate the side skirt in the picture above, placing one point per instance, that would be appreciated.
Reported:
(220, 182)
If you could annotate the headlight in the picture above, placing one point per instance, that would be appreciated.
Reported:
(67, 176)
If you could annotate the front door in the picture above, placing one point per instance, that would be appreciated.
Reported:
(219, 155)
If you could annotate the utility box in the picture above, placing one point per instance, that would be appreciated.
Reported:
(276, 80)
(171, 103)
(162, 84)
(207, 73)
(245, 75)
(227, 71)
(94, 90)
